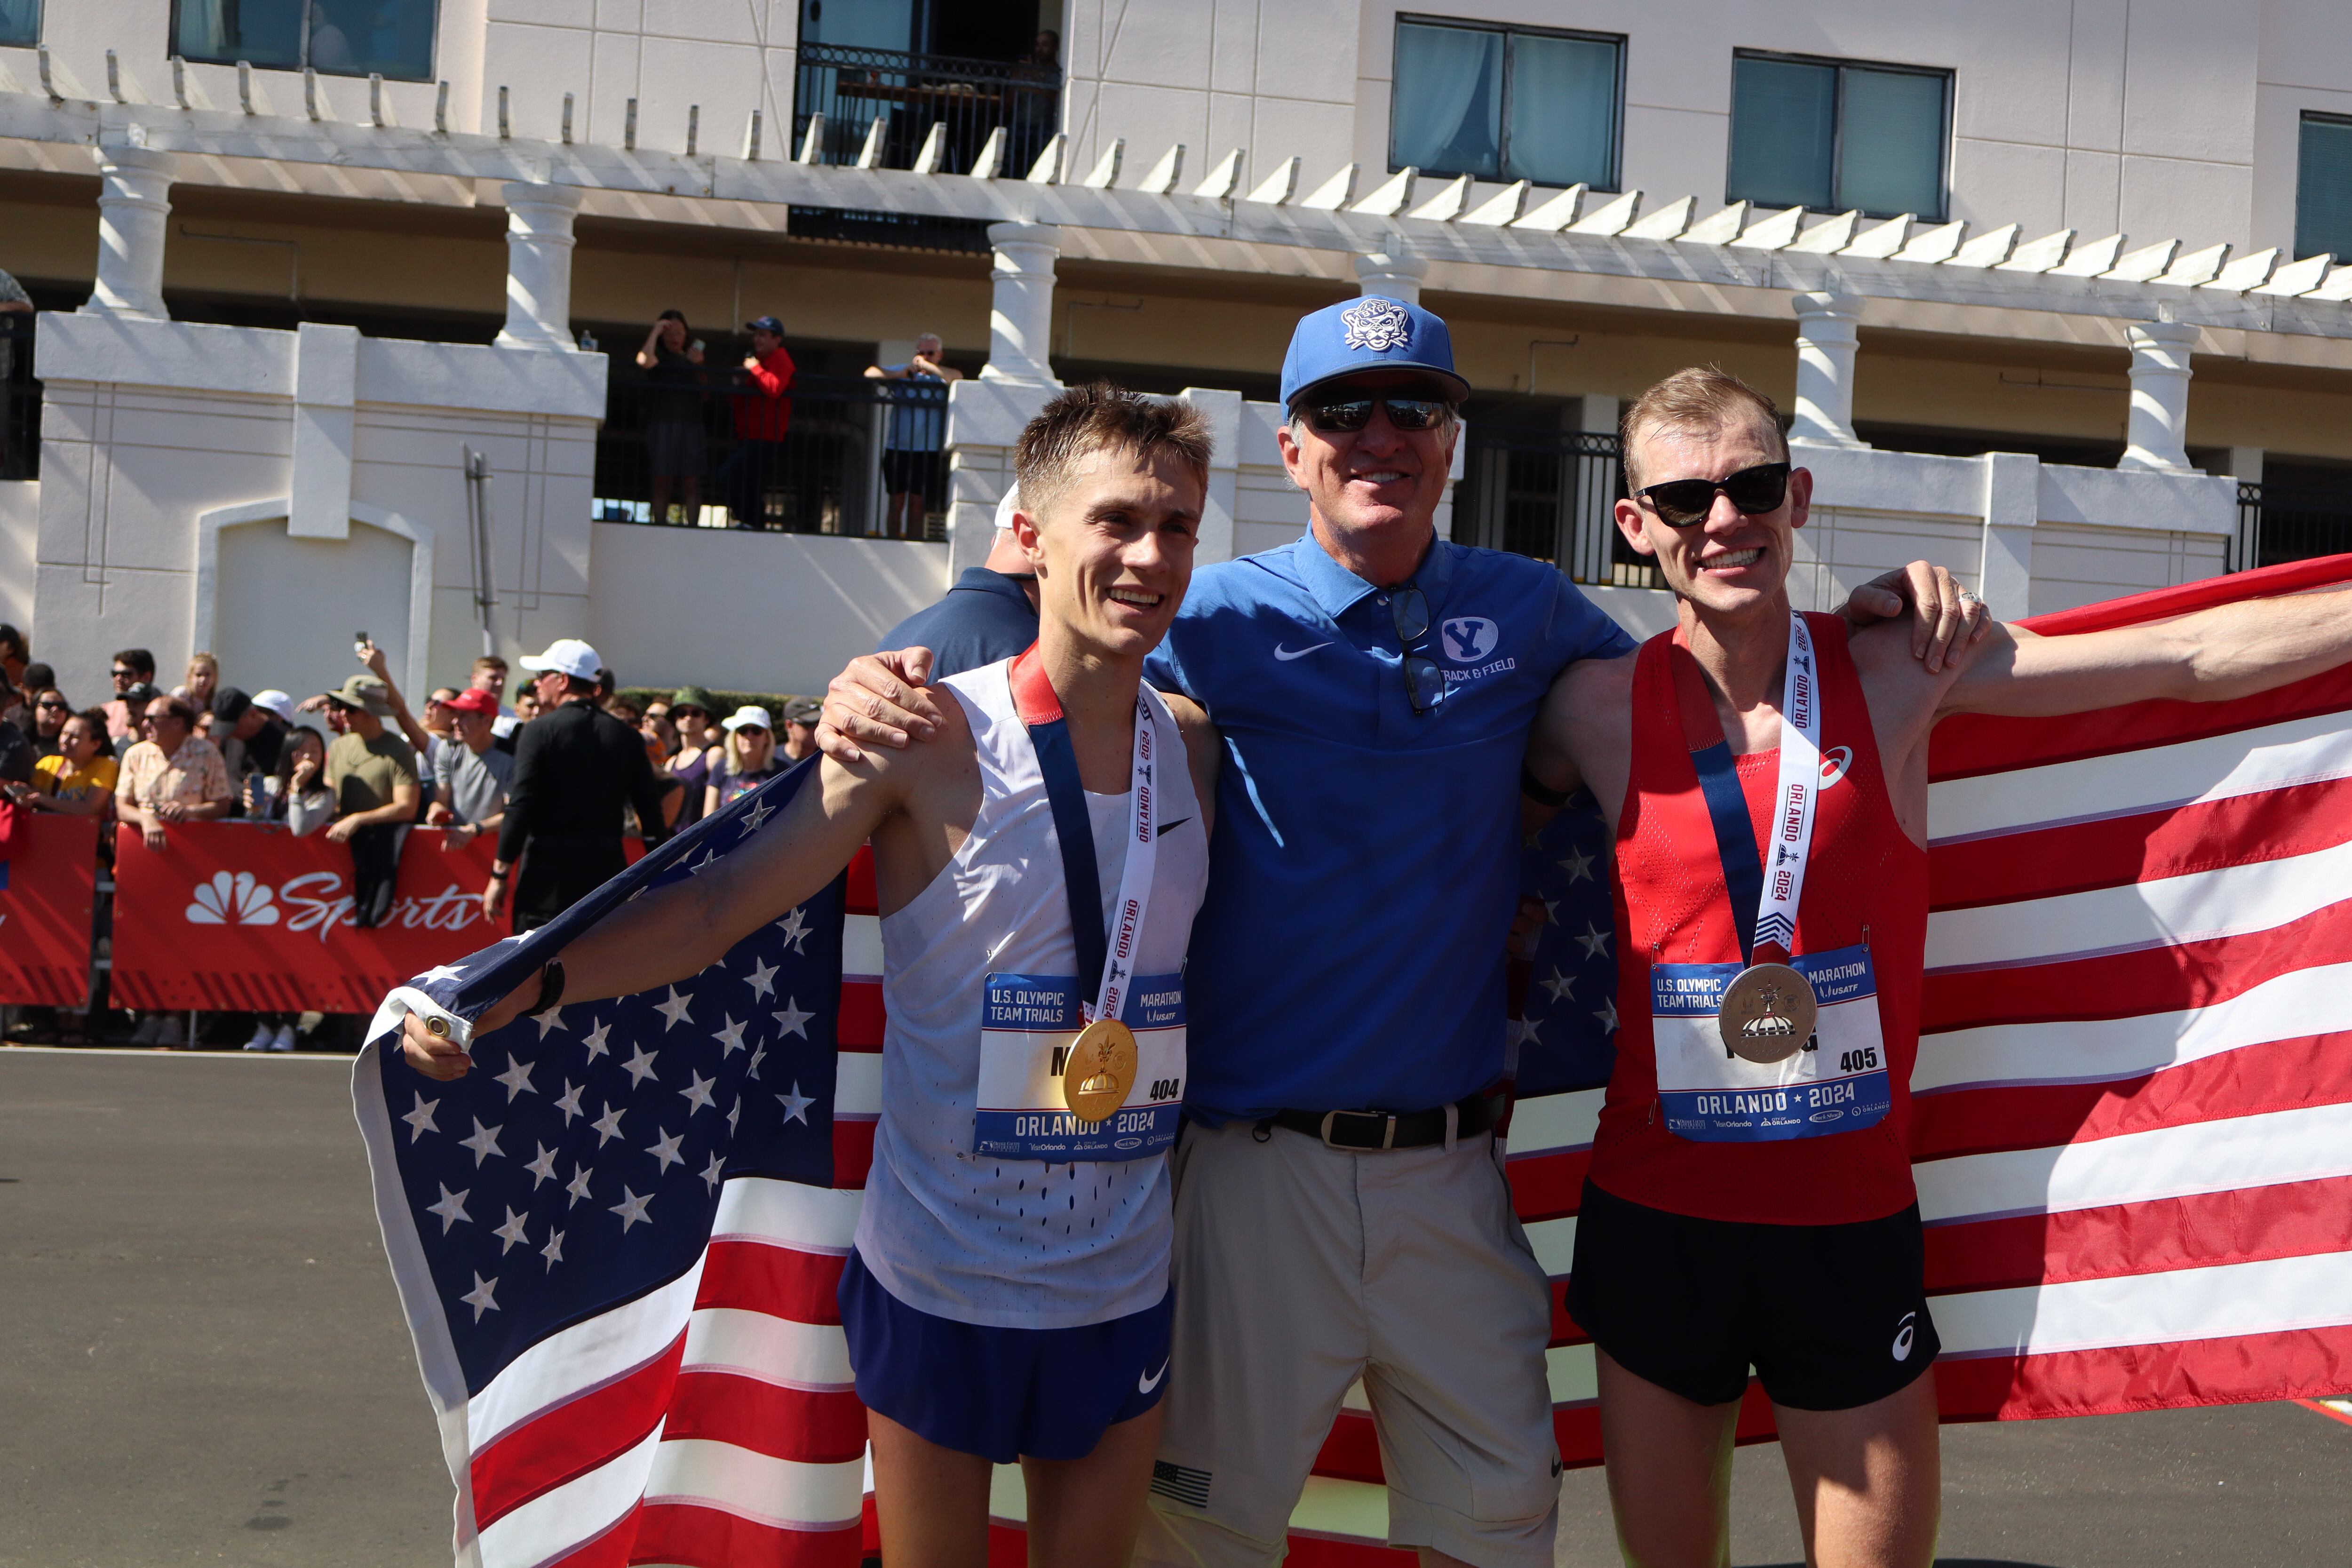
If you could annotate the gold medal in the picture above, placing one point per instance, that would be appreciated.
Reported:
(1100, 1072)
(1767, 1013)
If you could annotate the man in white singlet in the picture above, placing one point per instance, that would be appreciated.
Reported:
(1008, 1295)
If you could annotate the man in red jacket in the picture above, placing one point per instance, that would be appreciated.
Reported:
(763, 414)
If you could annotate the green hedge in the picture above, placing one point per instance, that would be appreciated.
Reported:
(722, 702)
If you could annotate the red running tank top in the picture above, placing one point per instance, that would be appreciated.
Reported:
(1865, 881)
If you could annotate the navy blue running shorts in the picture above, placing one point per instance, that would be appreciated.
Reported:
(1002, 1393)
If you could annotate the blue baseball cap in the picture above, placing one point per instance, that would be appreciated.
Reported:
(1374, 332)
(765, 324)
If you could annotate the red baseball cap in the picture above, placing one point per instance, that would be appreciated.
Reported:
(473, 700)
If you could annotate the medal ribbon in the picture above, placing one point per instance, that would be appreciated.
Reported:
(1106, 960)
(1764, 891)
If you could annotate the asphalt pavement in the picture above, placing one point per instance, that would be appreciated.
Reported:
(205, 1364)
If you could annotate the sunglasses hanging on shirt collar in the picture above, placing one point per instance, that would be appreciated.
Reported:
(1685, 503)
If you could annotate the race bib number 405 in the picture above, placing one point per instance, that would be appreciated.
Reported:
(1028, 1023)
(1837, 1083)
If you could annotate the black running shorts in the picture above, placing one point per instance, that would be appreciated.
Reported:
(1831, 1316)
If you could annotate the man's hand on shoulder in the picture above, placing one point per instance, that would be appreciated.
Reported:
(880, 699)
(1946, 618)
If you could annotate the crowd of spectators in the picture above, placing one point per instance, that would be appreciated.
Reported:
(357, 767)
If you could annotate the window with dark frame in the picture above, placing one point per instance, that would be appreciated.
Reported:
(1839, 135)
(2322, 186)
(1506, 103)
(393, 39)
(20, 23)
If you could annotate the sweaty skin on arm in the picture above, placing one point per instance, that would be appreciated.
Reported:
(916, 807)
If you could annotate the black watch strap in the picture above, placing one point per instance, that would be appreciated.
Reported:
(1536, 790)
(550, 988)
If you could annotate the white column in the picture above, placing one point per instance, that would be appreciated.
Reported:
(2012, 507)
(1398, 277)
(1223, 411)
(134, 212)
(1825, 344)
(2159, 397)
(539, 264)
(1021, 310)
(325, 388)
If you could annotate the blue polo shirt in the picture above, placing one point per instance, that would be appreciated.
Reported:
(985, 616)
(1364, 871)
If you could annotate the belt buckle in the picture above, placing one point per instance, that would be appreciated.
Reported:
(1388, 1130)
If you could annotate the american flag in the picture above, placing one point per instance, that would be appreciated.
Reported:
(2133, 1143)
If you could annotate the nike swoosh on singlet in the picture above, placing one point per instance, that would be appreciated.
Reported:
(1166, 825)
(1146, 1384)
(1286, 655)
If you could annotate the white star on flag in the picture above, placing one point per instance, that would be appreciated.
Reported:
(795, 928)
(607, 1126)
(640, 1067)
(674, 1009)
(516, 1077)
(796, 1104)
(451, 1208)
(711, 1173)
(570, 1104)
(595, 1040)
(1559, 984)
(577, 1186)
(761, 978)
(543, 1170)
(733, 1111)
(478, 1298)
(751, 1067)
(1527, 1027)
(632, 1209)
(1596, 942)
(1607, 1014)
(731, 1038)
(698, 1091)
(420, 1121)
(511, 1235)
(792, 1020)
(761, 811)
(1578, 865)
(664, 1151)
(439, 971)
(484, 1142)
(709, 857)
(553, 1250)
(548, 1022)
(1551, 910)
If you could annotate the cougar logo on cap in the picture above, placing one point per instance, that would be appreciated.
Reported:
(1377, 325)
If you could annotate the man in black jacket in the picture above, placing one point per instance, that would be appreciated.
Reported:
(576, 767)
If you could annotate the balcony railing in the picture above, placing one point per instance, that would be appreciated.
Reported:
(2278, 523)
(719, 453)
(910, 93)
(1549, 494)
(20, 400)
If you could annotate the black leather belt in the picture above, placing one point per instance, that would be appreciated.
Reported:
(1396, 1129)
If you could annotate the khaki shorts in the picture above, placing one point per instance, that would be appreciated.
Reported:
(1299, 1270)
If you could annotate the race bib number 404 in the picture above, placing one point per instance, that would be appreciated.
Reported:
(1028, 1023)
(1837, 1083)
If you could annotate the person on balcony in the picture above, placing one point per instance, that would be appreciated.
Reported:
(672, 361)
(763, 414)
(914, 464)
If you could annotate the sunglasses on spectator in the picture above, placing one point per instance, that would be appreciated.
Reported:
(1685, 503)
(122, 674)
(1345, 415)
(46, 703)
(750, 729)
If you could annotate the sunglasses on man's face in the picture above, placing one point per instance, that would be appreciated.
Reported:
(1342, 416)
(126, 675)
(44, 703)
(1685, 503)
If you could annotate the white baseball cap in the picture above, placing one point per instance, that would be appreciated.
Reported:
(1008, 506)
(567, 655)
(276, 702)
(748, 716)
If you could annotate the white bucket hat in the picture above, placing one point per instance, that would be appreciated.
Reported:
(747, 717)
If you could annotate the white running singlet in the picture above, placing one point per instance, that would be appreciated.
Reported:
(977, 1238)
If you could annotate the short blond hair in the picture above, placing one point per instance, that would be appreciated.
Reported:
(1698, 401)
(1097, 415)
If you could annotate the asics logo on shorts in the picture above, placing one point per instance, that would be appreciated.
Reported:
(1901, 1336)
(1146, 1384)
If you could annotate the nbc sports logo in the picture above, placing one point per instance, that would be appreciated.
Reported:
(231, 901)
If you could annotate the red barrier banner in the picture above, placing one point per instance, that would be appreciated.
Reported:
(47, 888)
(245, 917)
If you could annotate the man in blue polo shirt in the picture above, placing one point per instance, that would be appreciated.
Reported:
(1341, 1211)
(988, 612)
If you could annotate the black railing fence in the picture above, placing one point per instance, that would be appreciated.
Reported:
(911, 93)
(1551, 494)
(20, 399)
(719, 453)
(2279, 523)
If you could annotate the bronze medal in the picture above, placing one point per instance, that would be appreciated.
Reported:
(1767, 1013)
(1100, 1071)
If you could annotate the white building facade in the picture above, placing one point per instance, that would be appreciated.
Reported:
(2037, 287)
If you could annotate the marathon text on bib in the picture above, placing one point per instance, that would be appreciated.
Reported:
(1028, 1024)
(1836, 1083)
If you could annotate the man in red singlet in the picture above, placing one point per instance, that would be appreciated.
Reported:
(1750, 1200)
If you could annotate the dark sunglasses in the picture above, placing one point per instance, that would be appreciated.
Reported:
(126, 675)
(1424, 683)
(44, 703)
(1352, 414)
(1685, 503)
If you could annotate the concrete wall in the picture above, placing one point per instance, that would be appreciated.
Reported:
(750, 612)
(20, 527)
